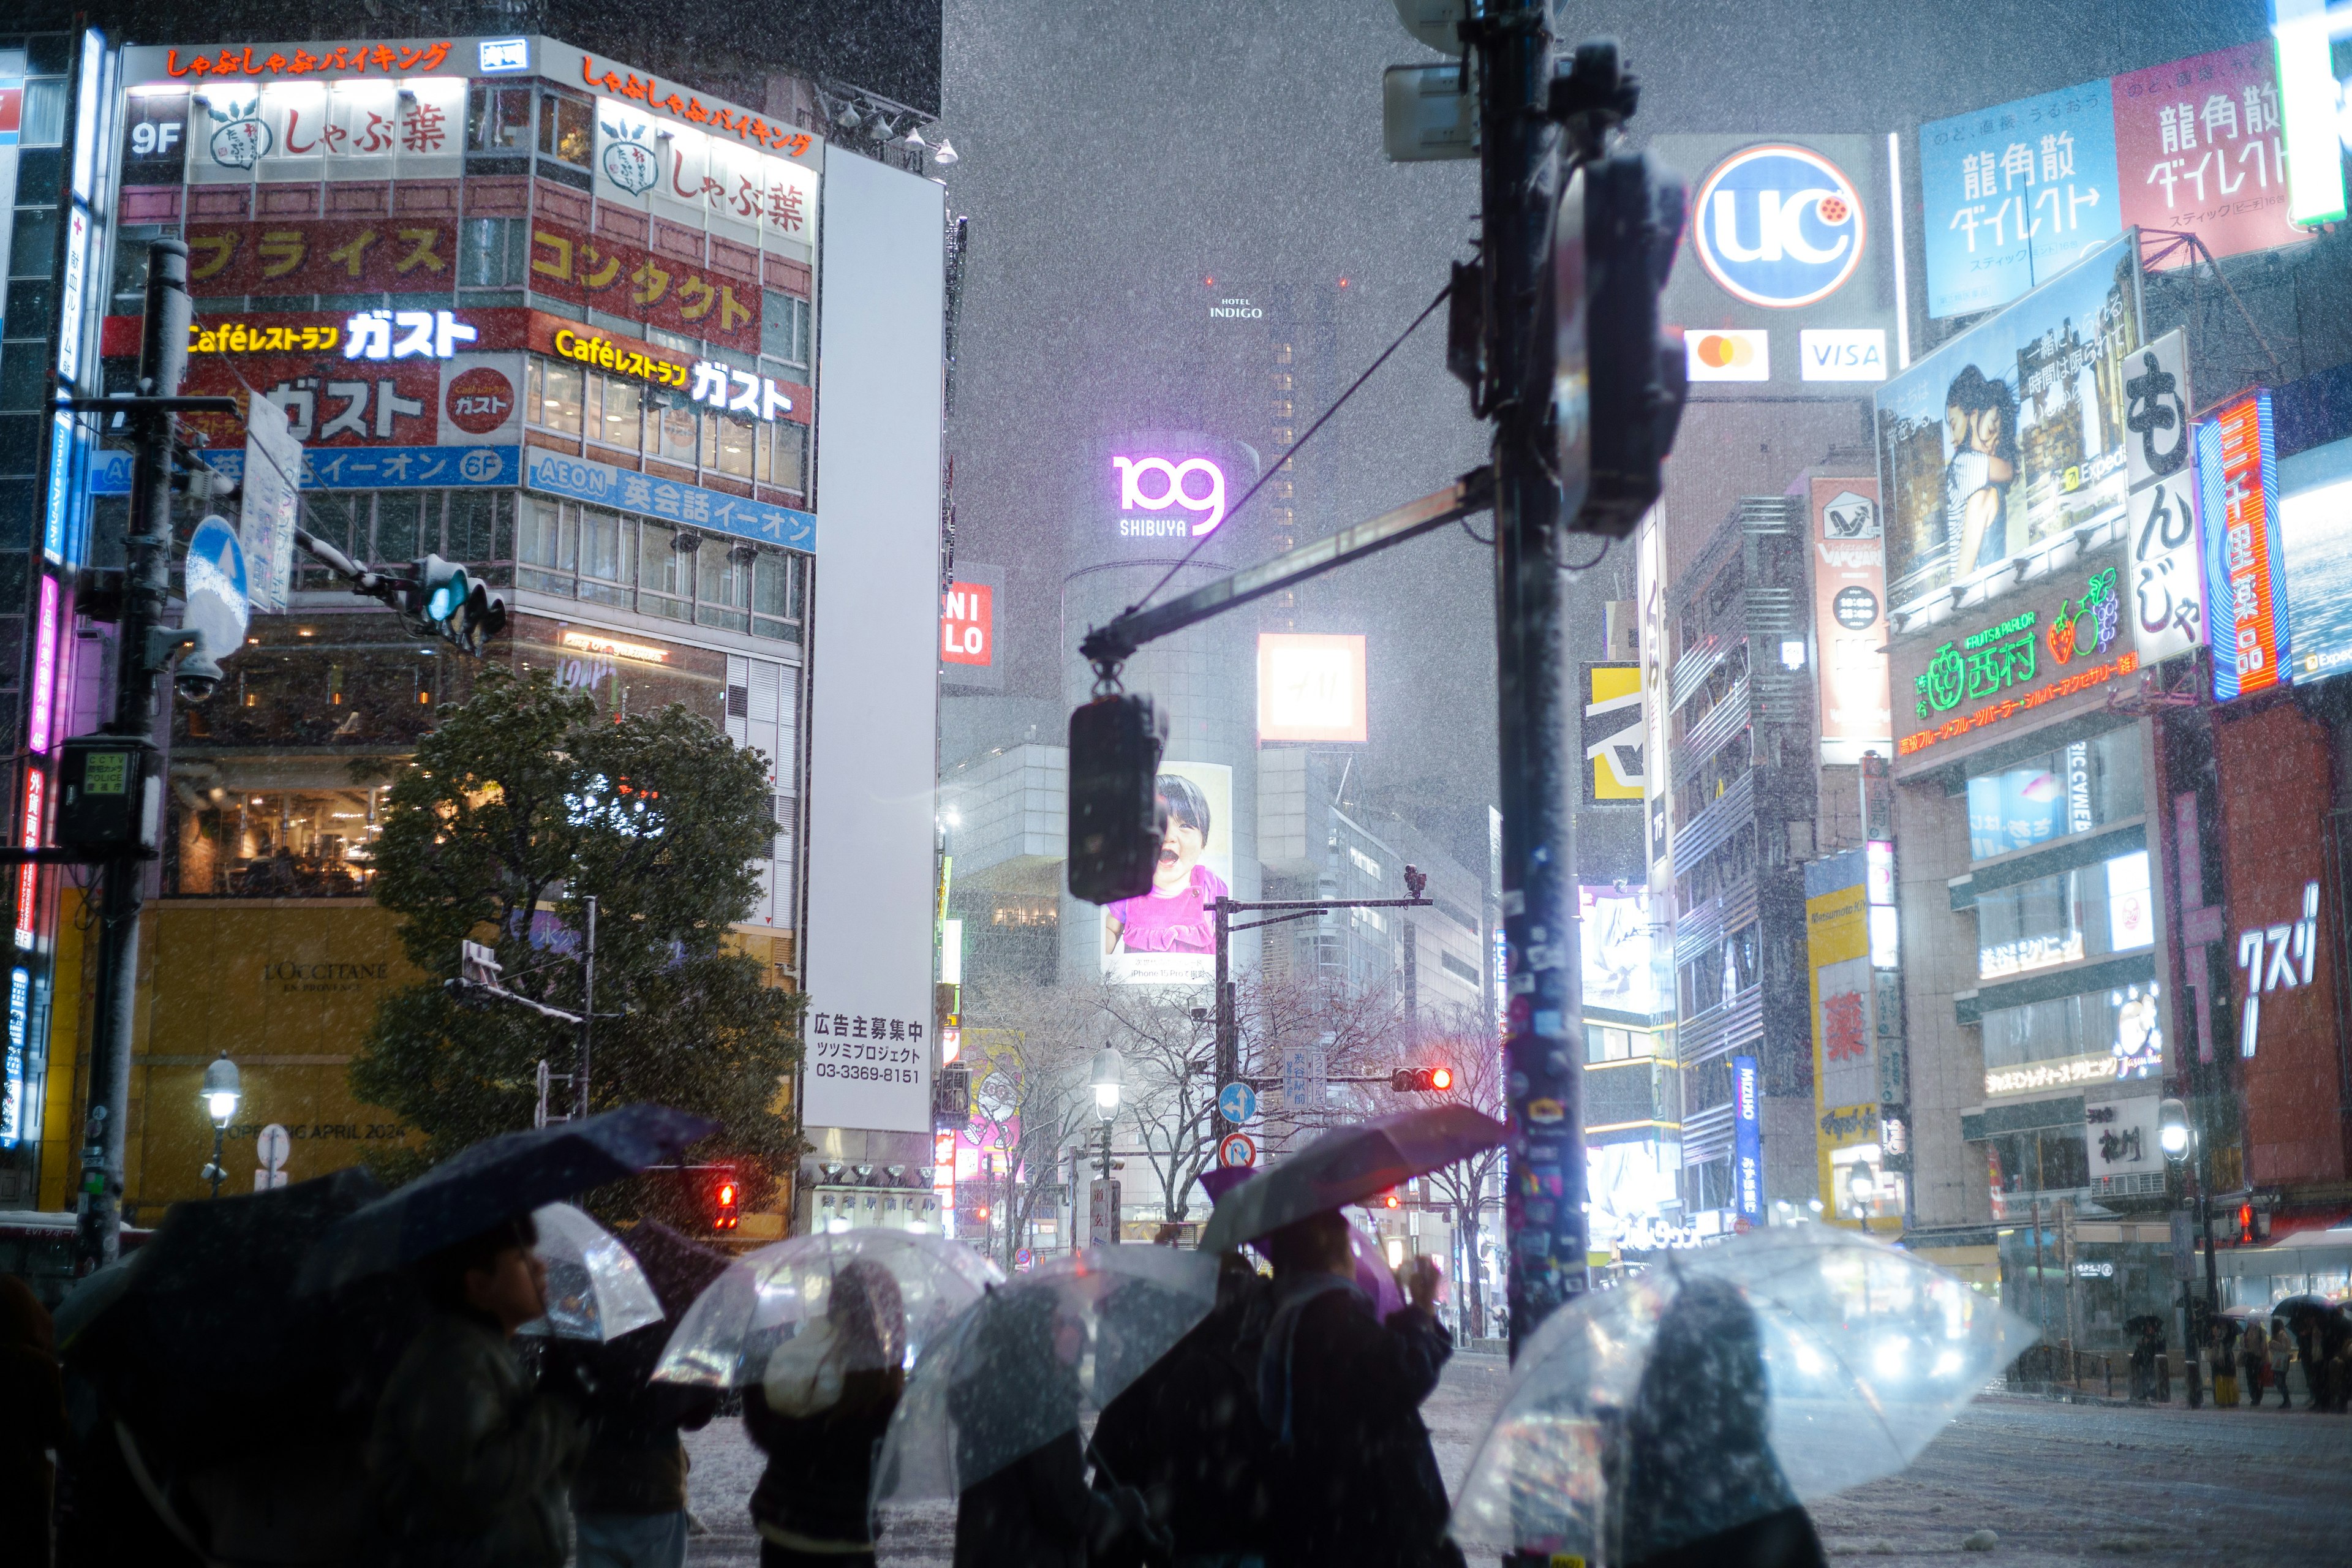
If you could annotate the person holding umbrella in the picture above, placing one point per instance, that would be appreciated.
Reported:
(466, 1463)
(628, 1499)
(1338, 1389)
(818, 1414)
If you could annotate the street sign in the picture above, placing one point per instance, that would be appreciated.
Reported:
(1102, 1213)
(273, 473)
(1425, 115)
(1304, 1078)
(1236, 1152)
(270, 1148)
(1237, 1103)
(1022, 1259)
(216, 599)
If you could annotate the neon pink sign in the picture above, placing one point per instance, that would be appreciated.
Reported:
(1137, 476)
(45, 668)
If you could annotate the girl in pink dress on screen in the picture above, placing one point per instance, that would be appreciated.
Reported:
(1177, 915)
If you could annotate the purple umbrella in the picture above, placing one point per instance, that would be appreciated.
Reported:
(1347, 1165)
(1374, 1275)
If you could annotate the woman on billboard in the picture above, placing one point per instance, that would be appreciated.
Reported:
(1177, 915)
(1981, 431)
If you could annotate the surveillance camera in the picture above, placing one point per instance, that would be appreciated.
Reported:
(197, 676)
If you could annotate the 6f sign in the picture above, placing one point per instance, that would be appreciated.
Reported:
(1777, 225)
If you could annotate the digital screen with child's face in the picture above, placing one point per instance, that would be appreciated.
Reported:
(1168, 936)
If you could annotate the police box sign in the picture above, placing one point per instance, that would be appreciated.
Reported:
(1786, 279)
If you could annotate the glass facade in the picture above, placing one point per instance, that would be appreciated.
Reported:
(2073, 790)
(2103, 1036)
(2088, 912)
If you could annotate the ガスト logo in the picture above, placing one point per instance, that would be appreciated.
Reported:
(1777, 225)
(1155, 484)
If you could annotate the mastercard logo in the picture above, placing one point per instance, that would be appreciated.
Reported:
(1728, 354)
(1719, 351)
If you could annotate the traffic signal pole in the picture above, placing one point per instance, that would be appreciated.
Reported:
(1520, 171)
(162, 361)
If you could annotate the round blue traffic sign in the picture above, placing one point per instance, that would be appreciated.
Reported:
(1777, 225)
(1237, 1103)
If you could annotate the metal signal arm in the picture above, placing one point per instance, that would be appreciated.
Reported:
(1111, 645)
(367, 583)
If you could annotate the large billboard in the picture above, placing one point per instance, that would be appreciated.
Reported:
(2004, 443)
(2015, 193)
(1168, 936)
(873, 721)
(1616, 939)
(1616, 735)
(1786, 279)
(2315, 527)
(1311, 687)
(1850, 618)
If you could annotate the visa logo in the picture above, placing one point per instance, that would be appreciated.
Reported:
(1841, 353)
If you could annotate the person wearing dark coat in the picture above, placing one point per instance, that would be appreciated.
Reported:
(32, 1394)
(468, 1464)
(1036, 1511)
(1187, 1434)
(628, 1500)
(1339, 1392)
(1693, 1481)
(819, 1413)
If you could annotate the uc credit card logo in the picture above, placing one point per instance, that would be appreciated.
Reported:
(1779, 226)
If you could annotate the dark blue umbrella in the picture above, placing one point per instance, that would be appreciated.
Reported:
(1347, 1165)
(497, 1179)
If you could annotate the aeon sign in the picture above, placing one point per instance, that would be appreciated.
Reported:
(1148, 486)
(1777, 225)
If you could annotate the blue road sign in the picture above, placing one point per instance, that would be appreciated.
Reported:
(1237, 1103)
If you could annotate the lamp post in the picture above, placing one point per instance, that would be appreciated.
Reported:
(1110, 1078)
(2178, 1139)
(220, 1093)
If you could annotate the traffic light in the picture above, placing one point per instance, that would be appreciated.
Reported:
(724, 1196)
(2245, 1224)
(1117, 819)
(1624, 241)
(1391, 1200)
(1421, 1080)
(456, 605)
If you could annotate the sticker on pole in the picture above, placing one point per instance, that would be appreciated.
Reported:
(1236, 1152)
(1237, 1103)
(215, 589)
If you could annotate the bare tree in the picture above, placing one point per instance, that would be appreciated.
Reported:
(1171, 1087)
(1029, 1049)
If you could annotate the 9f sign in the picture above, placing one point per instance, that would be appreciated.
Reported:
(1175, 484)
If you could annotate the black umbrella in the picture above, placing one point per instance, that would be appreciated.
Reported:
(1347, 1165)
(497, 1179)
(201, 1327)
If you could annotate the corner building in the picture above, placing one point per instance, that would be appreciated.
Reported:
(529, 309)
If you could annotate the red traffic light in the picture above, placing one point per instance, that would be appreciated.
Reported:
(723, 1203)
(1441, 1078)
(1392, 1201)
(2245, 1223)
(1421, 1080)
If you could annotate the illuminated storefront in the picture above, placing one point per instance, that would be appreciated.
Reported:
(525, 309)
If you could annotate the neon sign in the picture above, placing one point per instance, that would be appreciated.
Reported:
(1952, 728)
(45, 669)
(12, 1076)
(1209, 507)
(392, 60)
(1747, 1134)
(2237, 476)
(247, 338)
(29, 876)
(594, 642)
(733, 391)
(1988, 662)
(422, 334)
(2293, 949)
(605, 355)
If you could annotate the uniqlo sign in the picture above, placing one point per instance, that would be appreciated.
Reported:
(968, 625)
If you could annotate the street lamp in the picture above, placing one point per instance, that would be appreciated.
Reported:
(2178, 1139)
(220, 1095)
(2172, 1130)
(1862, 1187)
(1109, 1075)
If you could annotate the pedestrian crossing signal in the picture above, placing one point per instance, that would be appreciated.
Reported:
(723, 1202)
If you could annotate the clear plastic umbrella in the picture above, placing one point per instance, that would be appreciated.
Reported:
(768, 1297)
(1728, 1383)
(595, 1289)
(1029, 1361)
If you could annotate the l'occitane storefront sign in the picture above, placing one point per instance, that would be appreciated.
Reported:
(289, 988)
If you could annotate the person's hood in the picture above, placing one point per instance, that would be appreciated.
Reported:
(804, 1373)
